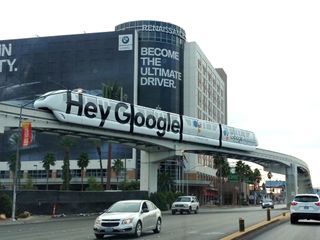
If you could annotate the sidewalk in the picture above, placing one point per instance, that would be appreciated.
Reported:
(46, 218)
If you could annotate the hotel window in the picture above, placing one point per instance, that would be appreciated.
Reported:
(95, 172)
(4, 174)
(199, 80)
(199, 63)
(199, 99)
(199, 113)
(204, 86)
(218, 102)
(214, 97)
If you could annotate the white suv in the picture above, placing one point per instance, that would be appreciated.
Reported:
(185, 204)
(305, 206)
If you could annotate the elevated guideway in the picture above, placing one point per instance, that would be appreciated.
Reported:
(157, 149)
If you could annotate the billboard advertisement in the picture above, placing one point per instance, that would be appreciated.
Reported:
(32, 66)
(160, 79)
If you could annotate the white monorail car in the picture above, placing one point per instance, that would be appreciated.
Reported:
(81, 108)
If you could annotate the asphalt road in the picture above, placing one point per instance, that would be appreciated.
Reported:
(208, 224)
(306, 230)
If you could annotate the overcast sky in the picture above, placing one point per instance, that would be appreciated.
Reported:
(270, 51)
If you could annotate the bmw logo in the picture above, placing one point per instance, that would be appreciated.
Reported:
(125, 39)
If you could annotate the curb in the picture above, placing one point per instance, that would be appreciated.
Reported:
(239, 235)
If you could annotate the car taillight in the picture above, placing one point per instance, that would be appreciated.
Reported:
(293, 203)
(317, 203)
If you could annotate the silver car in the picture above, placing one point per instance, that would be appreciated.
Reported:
(128, 217)
(305, 206)
(267, 203)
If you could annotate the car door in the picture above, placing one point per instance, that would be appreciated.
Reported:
(146, 216)
(194, 203)
(152, 214)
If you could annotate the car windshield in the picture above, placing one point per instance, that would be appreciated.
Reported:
(306, 199)
(184, 199)
(125, 207)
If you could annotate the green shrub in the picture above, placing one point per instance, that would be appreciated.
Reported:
(5, 205)
(164, 200)
(132, 185)
(93, 185)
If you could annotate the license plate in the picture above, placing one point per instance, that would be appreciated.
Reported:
(306, 207)
(108, 230)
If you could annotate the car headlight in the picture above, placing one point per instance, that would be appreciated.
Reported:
(127, 221)
(98, 221)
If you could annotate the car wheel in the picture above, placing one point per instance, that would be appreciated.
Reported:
(138, 230)
(158, 226)
(99, 236)
(173, 212)
(190, 209)
(196, 211)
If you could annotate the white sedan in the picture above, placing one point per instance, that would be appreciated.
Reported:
(128, 217)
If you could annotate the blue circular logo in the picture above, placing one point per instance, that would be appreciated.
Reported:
(125, 39)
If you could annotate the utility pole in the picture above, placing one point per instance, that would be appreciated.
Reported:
(16, 170)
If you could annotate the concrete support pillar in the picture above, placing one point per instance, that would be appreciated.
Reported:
(303, 183)
(148, 173)
(292, 183)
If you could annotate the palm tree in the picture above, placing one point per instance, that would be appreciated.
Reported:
(83, 162)
(223, 171)
(67, 143)
(164, 182)
(14, 141)
(111, 92)
(48, 160)
(12, 163)
(241, 173)
(98, 144)
(117, 168)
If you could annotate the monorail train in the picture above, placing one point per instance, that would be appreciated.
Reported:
(81, 108)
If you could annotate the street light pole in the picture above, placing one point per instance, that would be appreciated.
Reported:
(16, 172)
(14, 194)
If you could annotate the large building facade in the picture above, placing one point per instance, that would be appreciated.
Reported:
(150, 61)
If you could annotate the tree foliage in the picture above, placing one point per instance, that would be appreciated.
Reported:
(93, 185)
(83, 162)
(112, 92)
(117, 167)
(129, 185)
(12, 163)
(98, 144)
(164, 182)
(5, 204)
(48, 161)
(67, 144)
(221, 164)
